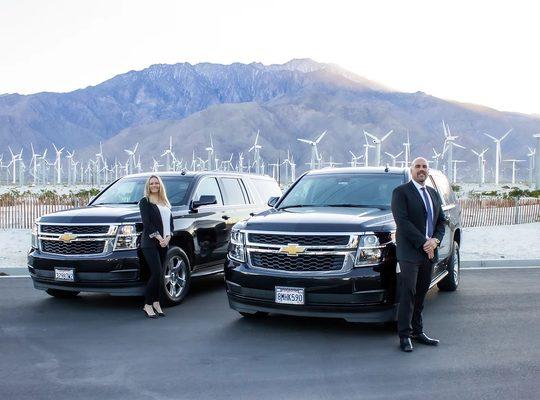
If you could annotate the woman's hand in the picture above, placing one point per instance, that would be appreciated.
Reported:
(165, 242)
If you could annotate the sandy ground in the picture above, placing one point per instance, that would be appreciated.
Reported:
(511, 242)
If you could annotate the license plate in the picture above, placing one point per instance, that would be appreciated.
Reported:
(64, 274)
(290, 295)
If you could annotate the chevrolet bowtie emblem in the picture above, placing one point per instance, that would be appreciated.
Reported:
(292, 249)
(67, 237)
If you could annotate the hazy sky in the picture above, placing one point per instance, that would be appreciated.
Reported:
(485, 52)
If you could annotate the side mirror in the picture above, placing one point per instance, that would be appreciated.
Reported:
(272, 201)
(205, 200)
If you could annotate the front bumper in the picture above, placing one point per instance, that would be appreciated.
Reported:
(118, 273)
(360, 295)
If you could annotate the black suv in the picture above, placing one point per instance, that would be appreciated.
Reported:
(95, 248)
(327, 248)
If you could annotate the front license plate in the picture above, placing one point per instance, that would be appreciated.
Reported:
(64, 274)
(290, 295)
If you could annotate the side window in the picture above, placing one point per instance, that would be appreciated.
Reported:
(208, 187)
(233, 191)
(266, 188)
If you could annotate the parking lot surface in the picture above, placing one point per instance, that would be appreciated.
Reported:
(96, 346)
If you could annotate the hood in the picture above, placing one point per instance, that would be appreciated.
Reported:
(323, 219)
(109, 213)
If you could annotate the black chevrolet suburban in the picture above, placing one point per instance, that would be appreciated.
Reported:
(96, 248)
(327, 248)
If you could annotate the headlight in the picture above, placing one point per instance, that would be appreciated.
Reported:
(369, 251)
(126, 237)
(34, 236)
(237, 248)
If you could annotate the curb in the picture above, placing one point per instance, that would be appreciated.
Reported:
(499, 263)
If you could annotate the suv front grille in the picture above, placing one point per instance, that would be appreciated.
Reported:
(302, 262)
(73, 248)
(75, 229)
(301, 240)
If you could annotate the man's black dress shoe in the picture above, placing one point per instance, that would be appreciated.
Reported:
(425, 339)
(405, 345)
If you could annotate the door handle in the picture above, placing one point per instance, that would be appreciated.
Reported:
(225, 217)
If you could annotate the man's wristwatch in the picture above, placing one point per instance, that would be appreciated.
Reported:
(437, 241)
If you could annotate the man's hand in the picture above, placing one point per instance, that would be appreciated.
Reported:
(429, 247)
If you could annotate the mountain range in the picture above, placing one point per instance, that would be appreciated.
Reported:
(298, 99)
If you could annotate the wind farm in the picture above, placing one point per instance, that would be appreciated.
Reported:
(64, 167)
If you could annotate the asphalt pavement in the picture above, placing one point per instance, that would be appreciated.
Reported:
(96, 346)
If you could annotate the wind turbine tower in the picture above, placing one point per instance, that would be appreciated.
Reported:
(531, 154)
(514, 162)
(498, 155)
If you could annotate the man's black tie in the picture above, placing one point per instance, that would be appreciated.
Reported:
(429, 213)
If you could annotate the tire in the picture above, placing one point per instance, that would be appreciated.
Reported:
(258, 314)
(62, 294)
(451, 281)
(176, 277)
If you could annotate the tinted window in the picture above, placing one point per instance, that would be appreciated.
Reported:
(208, 187)
(233, 191)
(354, 190)
(266, 188)
(444, 189)
(131, 190)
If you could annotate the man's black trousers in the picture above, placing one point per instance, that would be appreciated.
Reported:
(414, 280)
(155, 258)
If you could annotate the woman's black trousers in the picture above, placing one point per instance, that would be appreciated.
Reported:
(155, 258)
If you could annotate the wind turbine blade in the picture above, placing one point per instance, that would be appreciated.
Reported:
(506, 134)
(488, 135)
(399, 154)
(388, 134)
(458, 145)
(320, 137)
(475, 152)
(305, 141)
(376, 139)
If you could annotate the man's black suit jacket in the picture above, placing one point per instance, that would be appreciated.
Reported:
(410, 216)
(152, 223)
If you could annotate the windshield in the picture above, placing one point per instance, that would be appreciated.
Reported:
(343, 190)
(131, 190)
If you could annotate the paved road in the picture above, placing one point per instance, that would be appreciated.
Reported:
(102, 347)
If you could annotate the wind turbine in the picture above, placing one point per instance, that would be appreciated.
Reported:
(210, 151)
(256, 154)
(354, 159)
(481, 165)
(498, 155)
(227, 164)
(58, 164)
(449, 144)
(367, 146)
(168, 153)
(531, 155)
(69, 157)
(131, 158)
(240, 164)
(514, 162)
(407, 146)
(155, 165)
(378, 143)
(393, 157)
(436, 156)
(13, 163)
(315, 159)
(33, 164)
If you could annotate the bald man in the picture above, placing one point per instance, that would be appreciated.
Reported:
(420, 228)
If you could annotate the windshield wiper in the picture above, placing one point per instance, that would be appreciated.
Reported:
(298, 205)
(120, 202)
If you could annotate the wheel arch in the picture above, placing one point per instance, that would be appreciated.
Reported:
(184, 241)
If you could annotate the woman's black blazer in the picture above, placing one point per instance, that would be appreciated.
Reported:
(152, 224)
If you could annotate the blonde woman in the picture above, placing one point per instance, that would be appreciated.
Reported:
(157, 231)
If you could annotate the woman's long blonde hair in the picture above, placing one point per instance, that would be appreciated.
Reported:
(162, 194)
